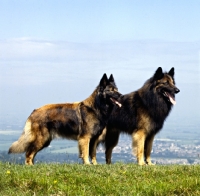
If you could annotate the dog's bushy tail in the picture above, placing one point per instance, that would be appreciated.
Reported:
(23, 142)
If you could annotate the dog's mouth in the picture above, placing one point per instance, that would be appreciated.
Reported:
(170, 97)
(116, 102)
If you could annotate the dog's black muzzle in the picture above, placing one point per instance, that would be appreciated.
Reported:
(176, 90)
(114, 97)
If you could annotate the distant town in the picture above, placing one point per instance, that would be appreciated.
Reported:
(165, 151)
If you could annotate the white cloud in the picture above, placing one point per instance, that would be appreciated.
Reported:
(27, 56)
(22, 49)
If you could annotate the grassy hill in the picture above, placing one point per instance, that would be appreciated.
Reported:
(116, 179)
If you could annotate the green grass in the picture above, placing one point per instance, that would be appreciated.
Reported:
(116, 179)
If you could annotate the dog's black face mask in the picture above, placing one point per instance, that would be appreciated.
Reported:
(109, 90)
(165, 85)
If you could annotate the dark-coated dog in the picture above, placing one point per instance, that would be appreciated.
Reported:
(142, 115)
(79, 121)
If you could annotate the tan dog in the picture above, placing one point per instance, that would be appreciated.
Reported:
(78, 121)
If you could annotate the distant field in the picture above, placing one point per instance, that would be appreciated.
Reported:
(4, 146)
(57, 146)
(66, 150)
(184, 137)
(10, 132)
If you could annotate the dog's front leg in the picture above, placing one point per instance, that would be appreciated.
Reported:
(148, 149)
(138, 139)
(83, 143)
(93, 146)
(93, 149)
(80, 152)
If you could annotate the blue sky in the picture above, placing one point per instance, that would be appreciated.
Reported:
(100, 20)
(57, 51)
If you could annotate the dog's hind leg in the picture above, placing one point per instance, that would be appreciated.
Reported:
(83, 143)
(33, 150)
(41, 141)
(138, 138)
(148, 148)
(30, 154)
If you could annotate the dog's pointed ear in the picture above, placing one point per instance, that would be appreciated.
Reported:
(171, 72)
(158, 74)
(104, 81)
(111, 78)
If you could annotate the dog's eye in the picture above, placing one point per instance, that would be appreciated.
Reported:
(165, 83)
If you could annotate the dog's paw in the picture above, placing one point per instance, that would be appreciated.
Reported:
(141, 163)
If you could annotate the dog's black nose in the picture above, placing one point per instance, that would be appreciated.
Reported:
(177, 90)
